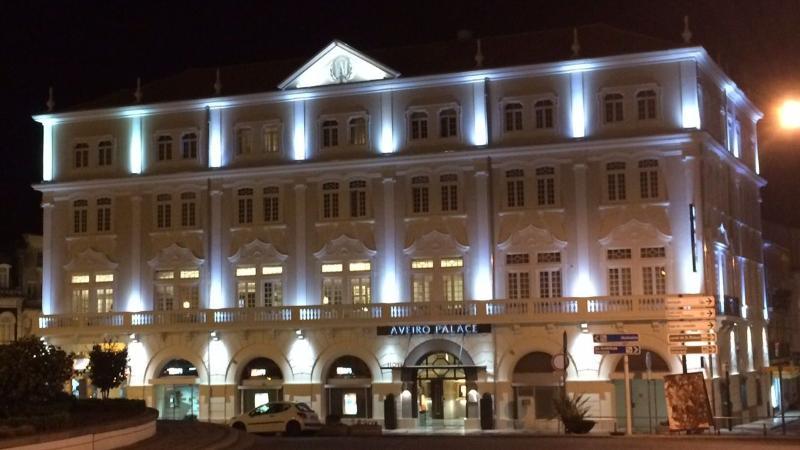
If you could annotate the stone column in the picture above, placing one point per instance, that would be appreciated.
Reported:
(300, 296)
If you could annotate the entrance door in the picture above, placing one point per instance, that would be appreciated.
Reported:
(437, 398)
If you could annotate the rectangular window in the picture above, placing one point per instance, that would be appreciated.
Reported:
(451, 262)
(419, 194)
(453, 287)
(165, 297)
(648, 179)
(271, 204)
(422, 264)
(271, 140)
(360, 290)
(104, 215)
(245, 271)
(360, 266)
(545, 186)
(619, 281)
(245, 209)
(103, 278)
(332, 268)
(80, 218)
(358, 198)
(421, 287)
(332, 291)
(165, 275)
(80, 300)
(246, 293)
(271, 270)
(550, 284)
(244, 141)
(515, 188)
(273, 293)
(164, 215)
(80, 279)
(105, 299)
(190, 274)
(519, 285)
(450, 197)
(188, 214)
(654, 280)
(330, 200)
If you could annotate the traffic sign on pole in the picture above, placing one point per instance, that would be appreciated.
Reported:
(692, 337)
(691, 313)
(690, 350)
(625, 337)
(617, 350)
(692, 302)
(690, 325)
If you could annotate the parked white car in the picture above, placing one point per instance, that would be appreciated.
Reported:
(278, 417)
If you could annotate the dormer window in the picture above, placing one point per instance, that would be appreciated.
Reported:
(543, 111)
(646, 104)
(330, 133)
(419, 125)
(104, 153)
(81, 155)
(358, 131)
(612, 106)
(164, 144)
(513, 116)
(448, 123)
(189, 146)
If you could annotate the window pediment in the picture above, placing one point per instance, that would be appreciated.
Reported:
(256, 252)
(531, 237)
(90, 260)
(634, 232)
(436, 243)
(344, 247)
(174, 257)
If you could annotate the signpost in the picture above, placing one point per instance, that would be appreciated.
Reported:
(625, 337)
(691, 325)
(692, 349)
(691, 313)
(692, 337)
(626, 344)
(618, 350)
(690, 302)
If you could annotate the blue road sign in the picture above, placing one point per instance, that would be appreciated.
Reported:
(617, 349)
(625, 337)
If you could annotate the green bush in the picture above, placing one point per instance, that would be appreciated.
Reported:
(112, 405)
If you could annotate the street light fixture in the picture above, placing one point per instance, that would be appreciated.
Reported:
(789, 114)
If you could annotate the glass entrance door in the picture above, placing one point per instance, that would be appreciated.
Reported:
(437, 398)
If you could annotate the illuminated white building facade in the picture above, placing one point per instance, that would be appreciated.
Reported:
(262, 245)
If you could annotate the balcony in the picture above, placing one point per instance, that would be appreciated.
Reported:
(528, 311)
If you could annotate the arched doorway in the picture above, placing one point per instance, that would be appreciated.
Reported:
(446, 389)
(535, 385)
(348, 388)
(261, 382)
(648, 406)
(177, 391)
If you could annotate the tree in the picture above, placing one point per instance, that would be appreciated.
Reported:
(107, 363)
(32, 373)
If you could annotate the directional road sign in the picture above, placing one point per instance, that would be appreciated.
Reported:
(617, 349)
(692, 337)
(693, 313)
(684, 350)
(689, 325)
(693, 302)
(625, 337)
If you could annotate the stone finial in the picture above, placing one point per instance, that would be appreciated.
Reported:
(478, 54)
(138, 93)
(218, 84)
(576, 46)
(51, 102)
(687, 34)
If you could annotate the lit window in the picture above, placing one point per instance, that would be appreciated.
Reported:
(615, 175)
(330, 133)
(244, 141)
(513, 116)
(330, 200)
(451, 262)
(189, 274)
(619, 281)
(358, 131)
(543, 111)
(103, 278)
(246, 293)
(80, 216)
(189, 146)
(81, 155)
(453, 284)
(332, 293)
(420, 194)
(271, 140)
(422, 264)
(104, 214)
(245, 271)
(646, 104)
(80, 279)
(271, 270)
(612, 105)
(449, 191)
(515, 188)
(245, 206)
(358, 198)
(421, 285)
(104, 153)
(163, 211)
(419, 125)
(165, 275)
(271, 204)
(332, 267)
(550, 283)
(188, 209)
(654, 280)
(448, 123)
(546, 186)
(359, 266)
(519, 285)
(164, 144)
(648, 179)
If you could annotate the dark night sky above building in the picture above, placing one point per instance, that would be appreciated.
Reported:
(88, 49)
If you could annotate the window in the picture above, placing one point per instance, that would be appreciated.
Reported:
(104, 292)
(452, 279)
(515, 188)
(177, 289)
(164, 145)
(357, 277)
(104, 153)
(271, 202)
(737, 138)
(421, 280)
(550, 285)
(248, 279)
(448, 125)
(358, 131)
(419, 194)
(646, 104)
(330, 200)
(543, 112)
(163, 211)
(619, 278)
(188, 209)
(189, 146)
(612, 105)
(419, 125)
(615, 175)
(440, 279)
(244, 141)
(358, 198)
(271, 140)
(330, 133)
(513, 116)
(518, 277)
(648, 178)
(545, 186)
(104, 214)
(80, 216)
(654, 272)
(245, 206)
(92, 293)
(81, 155)
(5, 278)
(449, 190)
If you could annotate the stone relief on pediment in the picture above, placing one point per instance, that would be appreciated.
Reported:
(455, 227)
(173, 257)
(257, 251)
(326, 232)
(435, 243)
(654, 216)
(344, 247)
(531, 237)
(90, 260)
(511, 225)
(634, 232)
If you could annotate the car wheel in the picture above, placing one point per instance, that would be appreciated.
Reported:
(293, 428)
(239, 426)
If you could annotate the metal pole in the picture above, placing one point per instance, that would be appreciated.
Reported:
(780, 382)
(628, 421)
(683, 364)
(649, 403)
(713, 391)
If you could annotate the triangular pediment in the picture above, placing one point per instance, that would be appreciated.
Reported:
(337, 63)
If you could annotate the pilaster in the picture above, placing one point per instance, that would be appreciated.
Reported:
(300, 244)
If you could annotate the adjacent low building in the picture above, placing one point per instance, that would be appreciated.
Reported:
(428, 221)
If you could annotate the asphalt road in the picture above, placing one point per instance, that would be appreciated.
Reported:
(489, 442)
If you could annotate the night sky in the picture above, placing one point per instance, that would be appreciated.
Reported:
(88, 49)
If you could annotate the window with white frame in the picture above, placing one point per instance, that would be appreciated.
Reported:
(271, 203)
(448, 185)
(92, 292)
(164, 147)
(188, 209)
(439, 278)
(80, 216)
(358, 198)
(163, 211)
(654, 270)
(80, 286)
(421, 280)
(543, 114)
(648, 179)
(244, 141)
(452, 270)
(613, 107)
(646, 104)
(513, 116)
(346, 282)
(105, 151)
(548, 269)
(81, 155)
(259, 285)
(615, 181)
(103, 214)
(244, 198)
(330, 200)
(518, 277)
(177, 289)
(619, 271)
(420, 201)
(189, 146)
(546, 186)
(357, 131)
(330, 133)
(515, 188)
(448, 123)
(737, 138)
(272, 139)
(419, 125)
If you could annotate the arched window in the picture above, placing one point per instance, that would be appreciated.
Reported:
(330, 133)
(638, 363)
(515, 188)
(272, 139)
(420, 194)
(513, 116)
(245, 206)
(188, 209)
(358, 131)
(104, 214)
(546, 186)
(543, 111)
(244, 141)
(164, 144)
(615, 176)
(80, 216)
(330, 200)
(648, 179)
(189, 146)
(419, 125)
(448, 123)
(163, 211)
(271, 200)
(646, 104)
(81, 155)
(104, 153)
(178, 368)
(612, 105)
(448, 184)
(358, 198)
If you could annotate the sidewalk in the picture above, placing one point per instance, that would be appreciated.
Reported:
(172, 435)
(771, 424)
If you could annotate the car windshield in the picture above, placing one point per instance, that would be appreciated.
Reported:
(303, 407)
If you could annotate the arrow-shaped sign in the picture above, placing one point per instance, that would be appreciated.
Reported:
(684, 350)
(689, 325)
(692, 337)
(625, 337)
(693, 302)
(617, 349)
(694, 313)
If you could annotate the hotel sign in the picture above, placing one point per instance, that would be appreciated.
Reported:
(440, 329)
